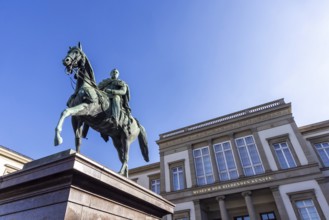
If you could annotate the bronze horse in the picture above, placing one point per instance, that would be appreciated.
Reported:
(89, 107)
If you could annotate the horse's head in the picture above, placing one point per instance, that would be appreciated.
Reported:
(75, 58)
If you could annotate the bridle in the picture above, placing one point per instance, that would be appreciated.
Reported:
(74, 67)
(74, 60)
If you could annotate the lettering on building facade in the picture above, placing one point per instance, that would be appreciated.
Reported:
(233, 185)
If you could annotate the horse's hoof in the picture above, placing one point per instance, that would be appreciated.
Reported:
(123, 173)
(58, 141)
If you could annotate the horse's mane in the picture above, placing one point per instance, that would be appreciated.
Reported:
(89, 69)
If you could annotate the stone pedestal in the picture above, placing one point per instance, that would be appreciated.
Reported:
(70, 186)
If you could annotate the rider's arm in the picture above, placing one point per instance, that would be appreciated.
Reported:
(121, 91)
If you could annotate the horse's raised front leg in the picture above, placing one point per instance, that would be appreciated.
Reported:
(76, 110)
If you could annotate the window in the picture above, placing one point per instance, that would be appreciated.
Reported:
(225, 161)
(283, 152)
(306, 205)
(284, 155)
(182, 215)
(268, 216)
(307, 210)
(249, 156)
(9, 169)
(321, 146)
(323, 152)
(155, 186)
(203, 167)
(177, 175)
(178, 178)
(154, 182)
(245, 217)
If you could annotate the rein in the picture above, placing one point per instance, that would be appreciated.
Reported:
(93, 85)
(75, 63)
(78, 76)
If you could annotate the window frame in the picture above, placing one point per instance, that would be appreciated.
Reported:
(181, 214)
(319, 140)
(226, 164)
(278, 140)
(203, 166)
(263, 213)
(153, 177)
(9, 169)
(305, 195)
(249, 156)
(241, 216)
(172, 165)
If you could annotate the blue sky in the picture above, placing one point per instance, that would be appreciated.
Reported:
(185, 62)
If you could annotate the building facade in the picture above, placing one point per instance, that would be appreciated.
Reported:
(11, 161)
(251, 164)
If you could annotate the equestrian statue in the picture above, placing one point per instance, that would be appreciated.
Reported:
(103, 107)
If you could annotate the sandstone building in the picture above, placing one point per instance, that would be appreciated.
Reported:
(251, 164)
(11, 161)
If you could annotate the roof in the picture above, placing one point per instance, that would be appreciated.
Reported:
(145, 168)
(323, 125)
(225, 119)
(15, 152)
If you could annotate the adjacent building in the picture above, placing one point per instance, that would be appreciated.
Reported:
(11, 161)
(251, 164)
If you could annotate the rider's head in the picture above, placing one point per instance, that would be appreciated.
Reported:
(114, 73)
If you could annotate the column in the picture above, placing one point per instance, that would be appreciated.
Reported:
(310, 157)
(222, 207)
(192, 166)
(261, 151)
(250, 206)
(236, 156)
(213, 161)
(324, 185)
(279, 203)
(162, 174)
(197, 209)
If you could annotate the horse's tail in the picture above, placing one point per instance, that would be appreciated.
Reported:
(143, 142)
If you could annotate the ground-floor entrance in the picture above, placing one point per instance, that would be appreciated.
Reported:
(248, 205)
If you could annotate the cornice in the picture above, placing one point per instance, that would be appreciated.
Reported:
(7, 153)
(223, 127)
(153, 166)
